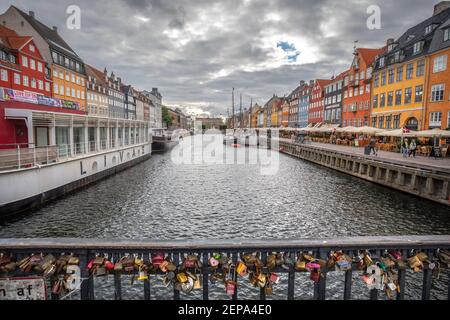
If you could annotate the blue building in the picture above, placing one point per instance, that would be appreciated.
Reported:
(304, 100)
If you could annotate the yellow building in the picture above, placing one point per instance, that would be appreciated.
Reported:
(400, 77)
(69, 85)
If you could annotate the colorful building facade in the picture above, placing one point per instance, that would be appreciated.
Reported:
(357, 88)
(317, 104)
(333, 100)
(97, 92)
(399, 97)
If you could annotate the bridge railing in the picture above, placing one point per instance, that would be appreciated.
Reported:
(261, 260)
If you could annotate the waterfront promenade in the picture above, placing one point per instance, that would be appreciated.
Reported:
(441, 163)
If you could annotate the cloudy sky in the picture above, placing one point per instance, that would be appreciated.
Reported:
(196, 51)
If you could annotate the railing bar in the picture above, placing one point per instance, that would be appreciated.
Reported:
(87, 286)
(205, 271)
(323, 277)
(291, 277)
(147, 295)
(262, 292)
(175, 260)
(348, 280)
(117, 281)
(402, 278)
(316, 285)
(427, 278)
(235, 256)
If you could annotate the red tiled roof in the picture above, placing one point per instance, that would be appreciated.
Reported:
(12, 39)
(18, 42)
(368, 55)
(96, 73)
(6, 32)
(323, 82)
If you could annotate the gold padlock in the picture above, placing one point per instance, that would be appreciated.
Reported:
(300, 265)
(197, 284)
(241, 269)
(182, 278)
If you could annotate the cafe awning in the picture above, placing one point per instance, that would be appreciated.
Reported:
(396, 133)
(434, 133)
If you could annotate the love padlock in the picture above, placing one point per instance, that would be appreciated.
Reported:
(230, 288)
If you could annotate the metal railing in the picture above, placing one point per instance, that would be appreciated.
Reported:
(260, 259)
(21, 156)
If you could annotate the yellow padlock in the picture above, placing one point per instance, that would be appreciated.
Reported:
(181, 277)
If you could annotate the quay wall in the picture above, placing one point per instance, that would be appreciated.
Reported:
(26, 189)
(432, 183)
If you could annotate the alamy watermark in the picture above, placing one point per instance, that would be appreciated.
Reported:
(237, 147)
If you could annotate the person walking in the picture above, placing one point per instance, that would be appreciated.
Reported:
(413, 148)
(372, 145)
(405, 148)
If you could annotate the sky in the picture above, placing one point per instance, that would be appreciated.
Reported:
(196, 51)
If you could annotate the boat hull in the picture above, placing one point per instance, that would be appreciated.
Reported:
(31, 188)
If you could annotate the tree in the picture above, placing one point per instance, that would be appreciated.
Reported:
(167, 119)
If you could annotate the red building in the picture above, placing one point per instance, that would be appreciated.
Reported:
(21, 64)
(357, 88)
(316, 105)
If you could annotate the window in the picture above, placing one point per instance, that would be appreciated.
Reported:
(361, 90)
(78, 80)
(428, 29)
(408, 95)
(440, 64)
(61, 90)
(435, 119)
(447, 34)
(33, 83)
(32, 64)
(68, 91)
(73, 78)
(55, 88)
(437, 92)
(382, 62)
(391, 76)
(381, 122)
(419, 94)
(61, 75)
(369, 73)
(409, 71)
(32, 48)
(47, 86)
(25, 62)
(376, 80)
(40, 68)
(400, 74)
(420, 68)
(55, 57)
(73, 93)
(388, 122)
(390, 99)
(78, 94)
(375, 101)
(383, 78)
(25, 81)
(382, 100)
(66, 62)
(396, 122)
(41, 85)
(16, 78)
(4, 75)
(67, 76)
(82, 95)
(368, 88)
(418, 47)
(374, 122)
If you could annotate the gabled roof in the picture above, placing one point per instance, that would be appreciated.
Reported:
(94, 72)
(323, 82)
(11, 39)
(50, 35)
(369, 55)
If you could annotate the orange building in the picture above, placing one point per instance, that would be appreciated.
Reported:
(438, 88)
(357, 88)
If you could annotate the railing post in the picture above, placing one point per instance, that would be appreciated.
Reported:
(117, 281)
(427, 278)
(205, 271)
(402, 279)
(18, 156)
(87, 285)
(147, 288)
(323, 277)
(348, 281)
(262, 292)
(291, 278)
(235, 274)
(176, 293)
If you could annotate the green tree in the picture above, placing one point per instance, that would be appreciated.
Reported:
(167, 119)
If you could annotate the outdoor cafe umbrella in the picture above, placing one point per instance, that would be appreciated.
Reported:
(434, 133)
(400, 133)
(368, 130)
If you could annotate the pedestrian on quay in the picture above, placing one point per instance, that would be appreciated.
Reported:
(413, 148)
(405, 148)
(372, 145)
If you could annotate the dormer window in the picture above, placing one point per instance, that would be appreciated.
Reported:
(382, 62)
(418, 47)
(447, 34)
(410, 37)
(32, 48)
(397, 56)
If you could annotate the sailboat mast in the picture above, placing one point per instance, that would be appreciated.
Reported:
(232, 104)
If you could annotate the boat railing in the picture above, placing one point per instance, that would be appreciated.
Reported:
(380, 263)
(23, 156)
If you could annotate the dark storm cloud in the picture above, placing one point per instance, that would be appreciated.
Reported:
(195, 51)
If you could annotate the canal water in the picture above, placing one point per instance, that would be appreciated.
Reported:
(160, 199)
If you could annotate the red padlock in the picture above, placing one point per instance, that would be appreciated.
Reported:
(230, 287)
(109, 265)
(315, 276)
(157, 259)
(90, 264)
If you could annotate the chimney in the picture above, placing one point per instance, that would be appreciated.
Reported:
(55, 28)
(302, 83)
(441, 6)
(31, 14)
(389, 41)
(311, 83)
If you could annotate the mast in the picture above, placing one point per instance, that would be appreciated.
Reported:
(251, 107)
(232, 115)
(241, 116)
